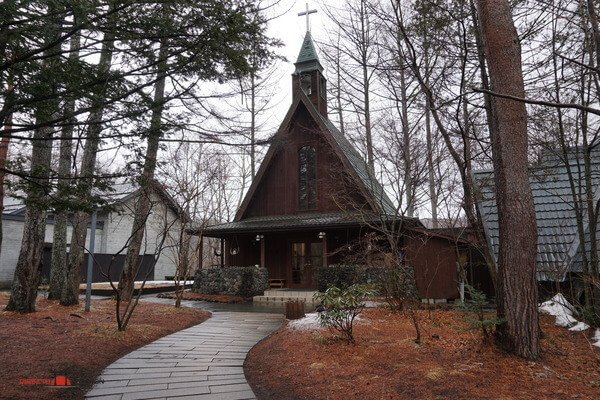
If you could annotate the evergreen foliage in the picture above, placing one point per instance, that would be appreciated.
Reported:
(474, 313)
(341, 306)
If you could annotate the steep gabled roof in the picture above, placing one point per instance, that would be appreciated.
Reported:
(558, 241)
(351, 160)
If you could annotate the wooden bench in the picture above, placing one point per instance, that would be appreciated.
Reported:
(276, 283)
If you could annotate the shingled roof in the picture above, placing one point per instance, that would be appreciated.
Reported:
(273, 223)
(307, 58)
(559, 247)
(359, 166)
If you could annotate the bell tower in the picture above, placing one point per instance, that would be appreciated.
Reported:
(308, 76)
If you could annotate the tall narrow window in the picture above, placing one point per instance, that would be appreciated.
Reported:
(307, 178)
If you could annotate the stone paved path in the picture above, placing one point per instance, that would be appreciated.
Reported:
(204, 362)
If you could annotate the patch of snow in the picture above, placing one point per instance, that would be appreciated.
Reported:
(596, 338)
(373, 304)
(163, 282)
(310, 322)
(559, 307)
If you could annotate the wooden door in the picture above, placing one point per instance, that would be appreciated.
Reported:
(307, 258)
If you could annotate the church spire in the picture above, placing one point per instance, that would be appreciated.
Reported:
(308, 76)
(307, 58)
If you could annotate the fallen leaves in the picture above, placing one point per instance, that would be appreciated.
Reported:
(387, 364)
(70, 342)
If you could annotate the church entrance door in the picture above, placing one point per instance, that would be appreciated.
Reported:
(307, 258)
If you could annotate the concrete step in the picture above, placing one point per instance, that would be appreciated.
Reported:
(282, 295)
(289, 293)
(281, 299)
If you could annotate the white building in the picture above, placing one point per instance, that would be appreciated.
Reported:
(113, 229)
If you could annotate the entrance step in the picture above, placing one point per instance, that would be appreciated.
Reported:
(283, 295)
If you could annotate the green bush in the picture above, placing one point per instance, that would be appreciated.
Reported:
(341, 306)
(474, 313)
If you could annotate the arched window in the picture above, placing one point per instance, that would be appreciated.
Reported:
(307, 178)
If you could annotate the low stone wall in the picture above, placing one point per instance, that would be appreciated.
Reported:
(232, 281)
(343, 274)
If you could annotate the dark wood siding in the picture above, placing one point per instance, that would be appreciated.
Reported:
(248, 251)
(277, 193)
(434, 263)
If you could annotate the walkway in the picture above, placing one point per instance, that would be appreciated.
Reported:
(204, 362)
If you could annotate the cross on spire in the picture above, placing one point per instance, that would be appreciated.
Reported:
(307, 13)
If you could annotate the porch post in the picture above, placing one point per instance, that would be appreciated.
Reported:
(222, 252)
(262, 252)
(200, 252)
(325, 251)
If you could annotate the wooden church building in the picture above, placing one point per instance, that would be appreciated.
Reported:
(312, 196)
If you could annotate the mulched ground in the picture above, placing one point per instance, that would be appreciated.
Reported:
(34, 346)
(213, 298)
(386, 363)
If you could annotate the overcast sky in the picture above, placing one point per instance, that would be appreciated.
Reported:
(291, 29)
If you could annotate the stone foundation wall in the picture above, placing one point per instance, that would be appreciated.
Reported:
(232, 281)
(345, 275)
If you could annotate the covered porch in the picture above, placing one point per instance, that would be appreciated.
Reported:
(291, 247)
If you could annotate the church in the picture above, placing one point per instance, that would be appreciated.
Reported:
(314, 197)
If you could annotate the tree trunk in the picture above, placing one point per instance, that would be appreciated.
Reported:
(408, 181)
(338, 91)
(252, 126)
(364, 48)
(431, 169)
(29, 264)
(58, 265)
(146, 181)
(4, 143)
(517, 223)
(70, 290)
(429, 142)
(593, 18)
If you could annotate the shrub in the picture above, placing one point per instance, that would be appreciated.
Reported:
(399, 287)
(474, 314)
(339, 275)
(342, 275)
(341, 306)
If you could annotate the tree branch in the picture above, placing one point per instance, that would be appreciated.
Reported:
(540, 102)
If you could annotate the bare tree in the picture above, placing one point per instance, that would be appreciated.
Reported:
(358, 32)
(191, 176)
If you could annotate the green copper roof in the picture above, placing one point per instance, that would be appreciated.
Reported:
(307, 51)
(307, 58)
